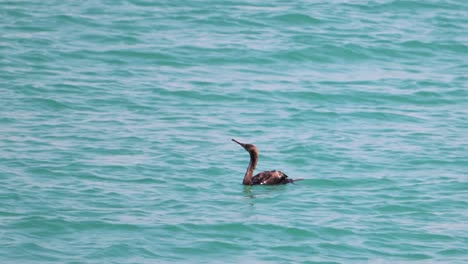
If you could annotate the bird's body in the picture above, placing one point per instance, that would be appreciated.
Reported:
(271, 177)
(266, 177)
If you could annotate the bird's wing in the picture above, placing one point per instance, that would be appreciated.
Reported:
(270, 177)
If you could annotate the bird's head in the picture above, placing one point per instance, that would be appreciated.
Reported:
(249, 147)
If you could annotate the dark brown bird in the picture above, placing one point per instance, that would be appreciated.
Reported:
(266, 177)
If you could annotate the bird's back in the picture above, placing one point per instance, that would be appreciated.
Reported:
(270, 177)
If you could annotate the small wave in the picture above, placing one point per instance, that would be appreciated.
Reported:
(47, 103)
(296, 19)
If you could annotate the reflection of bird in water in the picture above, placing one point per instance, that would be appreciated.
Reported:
(266, 177)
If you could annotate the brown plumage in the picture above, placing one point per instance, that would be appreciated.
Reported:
(266, 177)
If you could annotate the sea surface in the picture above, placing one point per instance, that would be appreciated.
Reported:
(116, 120)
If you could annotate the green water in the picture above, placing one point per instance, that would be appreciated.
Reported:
(116, 119)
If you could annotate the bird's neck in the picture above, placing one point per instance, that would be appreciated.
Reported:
(250, 168)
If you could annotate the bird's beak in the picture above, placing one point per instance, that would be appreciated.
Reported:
(242, 144)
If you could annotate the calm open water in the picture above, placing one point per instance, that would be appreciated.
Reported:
(116, 119)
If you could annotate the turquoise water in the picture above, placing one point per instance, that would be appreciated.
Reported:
(116, 119)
